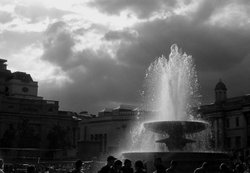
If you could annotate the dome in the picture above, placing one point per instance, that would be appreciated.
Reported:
(22, 76)
(220, 86)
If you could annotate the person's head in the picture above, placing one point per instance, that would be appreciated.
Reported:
(204, 165)
(78, 164)
(111, 160)
(239, 168)
(157, 162)
(138, 165)
(223, 167)
(1, 163)
(127, 163)
(173, 164)
(31, 169)
(118, 164)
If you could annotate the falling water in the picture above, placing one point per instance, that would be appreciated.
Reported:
(172, 86)
(171, 91)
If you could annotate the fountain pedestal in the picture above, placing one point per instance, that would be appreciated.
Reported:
(176, 141)
(176, 130)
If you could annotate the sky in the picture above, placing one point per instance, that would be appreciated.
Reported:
(92, 54)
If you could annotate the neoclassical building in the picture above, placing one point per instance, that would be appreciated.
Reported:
(230, 120)
(31, 127)
(107, 133)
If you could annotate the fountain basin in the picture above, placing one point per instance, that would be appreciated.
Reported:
(176, 130)
(171, 127)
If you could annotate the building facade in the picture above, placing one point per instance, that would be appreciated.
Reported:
(107, 133)
(31, 126)
(230, 121)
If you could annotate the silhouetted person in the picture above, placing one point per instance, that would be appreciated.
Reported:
(31, 169)
(159, 166)
(239, 168)
(172, 168)
(139, 167)
(109, 167)
(1, 166)
(118, 166)
(46, 170)
(224, 168)
(78, 167)
(127, 167)
(202, 169)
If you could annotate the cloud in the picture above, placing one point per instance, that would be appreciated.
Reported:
(102, 79)
(213, 48)
(97, 79)
(142, 8)
(58, 44)
(125, 35)
(217, 38)
(13, 42)
(5, 17)
(38, 12)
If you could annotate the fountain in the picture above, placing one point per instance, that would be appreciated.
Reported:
(172, 92)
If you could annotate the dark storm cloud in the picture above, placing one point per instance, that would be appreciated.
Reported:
(58, 43)
(219, 51)
(143, 8)
(120, 35)
(97, 78)
(102, 82)
(5, 17)
(207, 44)
(216, 50)
(37, 12)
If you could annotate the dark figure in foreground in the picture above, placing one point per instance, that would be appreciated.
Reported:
(139, 167)
(1, 166)
(118, 166)
(127, 167)
(159, 166)
(239, 168)
(202, 169)
(109, 167)
(78, 167)
(225, 169)
(31, 169)
(172, 168)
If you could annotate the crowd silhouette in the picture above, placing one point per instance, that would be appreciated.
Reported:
(114, 165)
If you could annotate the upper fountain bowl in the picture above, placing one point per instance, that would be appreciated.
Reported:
(176, 127)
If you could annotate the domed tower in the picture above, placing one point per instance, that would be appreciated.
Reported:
(220, 92)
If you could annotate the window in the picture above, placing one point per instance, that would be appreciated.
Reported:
(105, 142)
(50, 110)
(238, 141)
(237, 121)
(248, 141)
(228, 142)
(25, 89)
(248, 120)
(227, 123)
(92, 137)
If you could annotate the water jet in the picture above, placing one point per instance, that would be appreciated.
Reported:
(173, 91)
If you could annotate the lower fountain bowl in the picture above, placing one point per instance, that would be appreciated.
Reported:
(186, 161)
